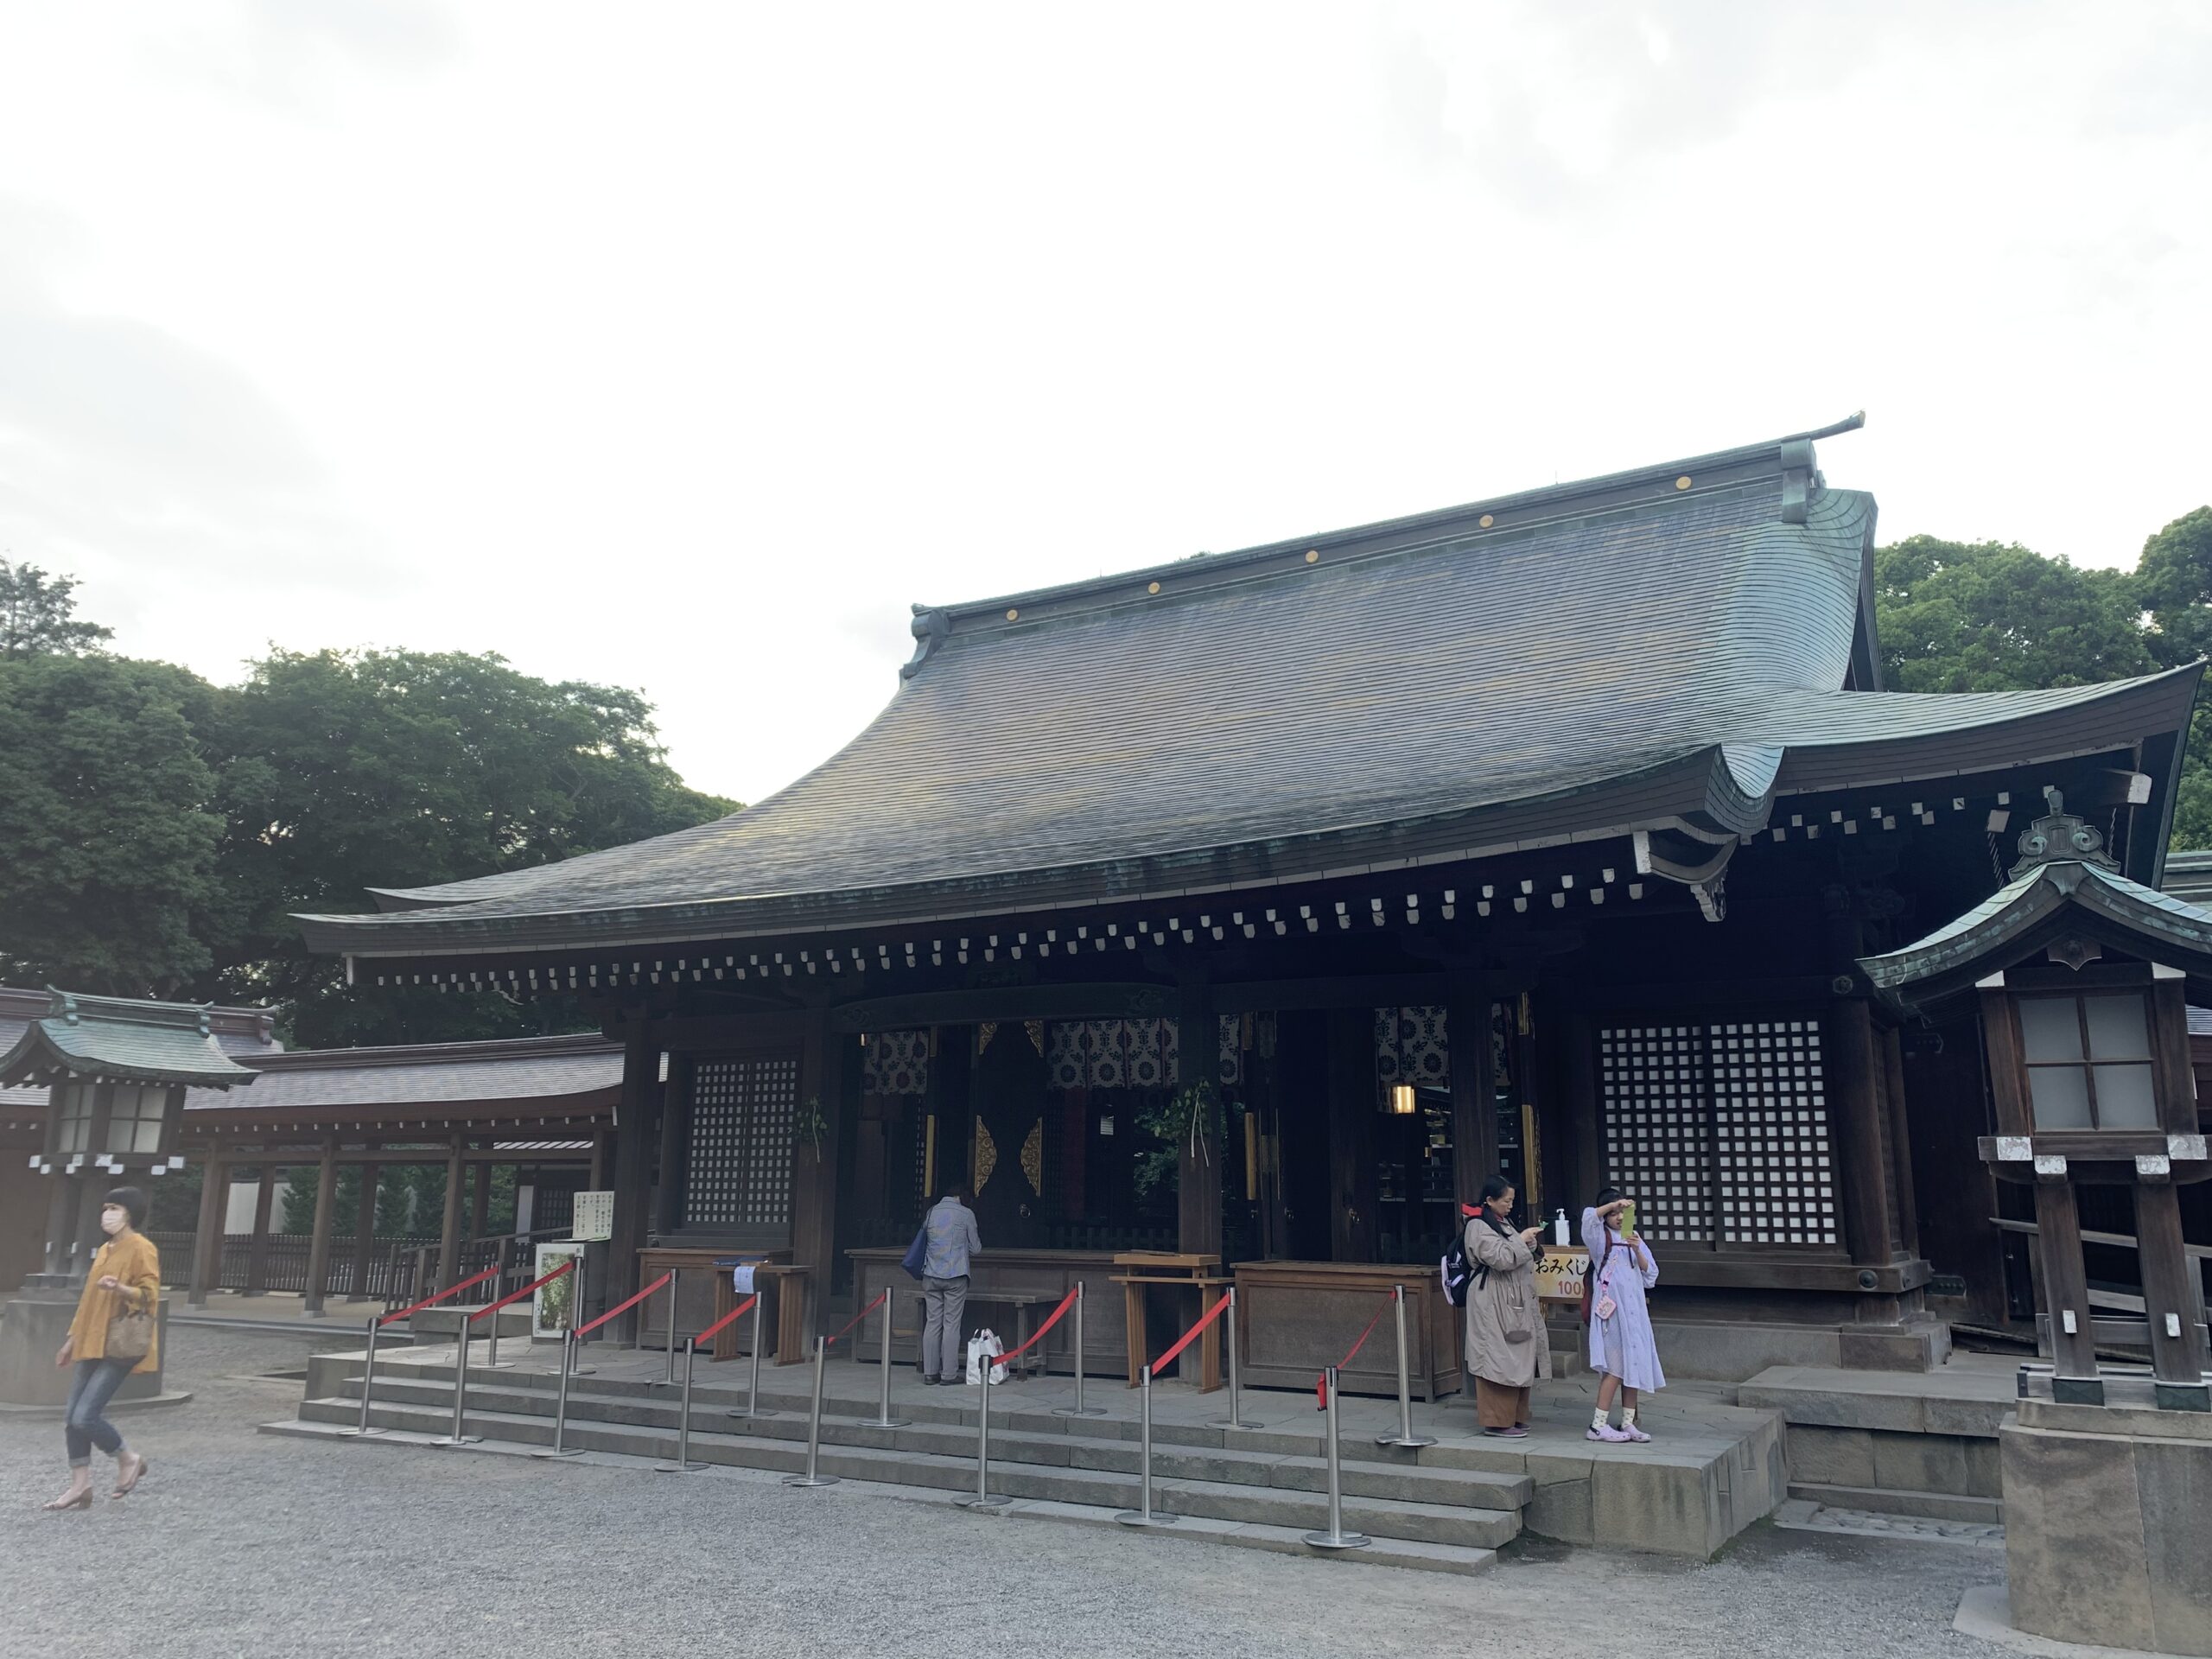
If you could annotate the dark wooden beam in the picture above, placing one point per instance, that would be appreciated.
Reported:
(449, 1229)
(256, 1261)
(1474, 1113)
(814, 1168)
(1907, 1200)
(1351, 1135)
(2171, 1288)
(365, 1228)
(207, 1244)
(634, 1129)
(326, 1199)
(1105, 1000)
(1854, 1115)
(1198, 1170)
(2065, 1279)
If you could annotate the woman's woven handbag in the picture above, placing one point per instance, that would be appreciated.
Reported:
(130, 1334)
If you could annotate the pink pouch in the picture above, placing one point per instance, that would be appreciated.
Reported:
(1605, 1307)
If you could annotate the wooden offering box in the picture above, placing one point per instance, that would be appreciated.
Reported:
(1296, 1318)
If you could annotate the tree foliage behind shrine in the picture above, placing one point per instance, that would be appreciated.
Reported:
(1992, 616)
(161, 831)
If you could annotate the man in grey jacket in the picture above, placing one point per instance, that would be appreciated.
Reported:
(952, 1238)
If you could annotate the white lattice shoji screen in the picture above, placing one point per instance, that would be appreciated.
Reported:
(742, 1113)
(1771, 1118)
(1720, 1131)
(1658, 1127)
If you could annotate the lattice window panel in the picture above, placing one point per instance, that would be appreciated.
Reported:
(1658, 1126)
(1770, 1125)
(742, 1112)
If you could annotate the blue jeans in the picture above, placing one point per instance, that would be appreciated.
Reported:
(95, 1385)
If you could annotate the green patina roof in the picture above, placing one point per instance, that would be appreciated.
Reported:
(127, 1041)
(2023, 915)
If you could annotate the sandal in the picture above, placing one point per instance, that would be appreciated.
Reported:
(77, 1500)
(125, 1485)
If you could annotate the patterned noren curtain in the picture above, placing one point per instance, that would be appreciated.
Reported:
(898, 1062)
(1411, 1045)
(1130, 1054)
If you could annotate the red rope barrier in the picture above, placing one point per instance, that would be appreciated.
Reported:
(1321, 1382)
(624, 1307)
(432, 1301)
(1183, 1341)
(1037, 1335)
(516, 1295)
(725, 1321)
(880, 1297)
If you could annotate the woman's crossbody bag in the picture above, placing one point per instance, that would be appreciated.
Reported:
(1604, 1308)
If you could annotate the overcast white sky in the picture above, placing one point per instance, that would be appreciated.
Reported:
(684, 346)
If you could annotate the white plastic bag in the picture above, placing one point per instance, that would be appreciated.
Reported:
(982, 1346)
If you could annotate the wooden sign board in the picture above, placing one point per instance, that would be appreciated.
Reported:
(1560, 1274)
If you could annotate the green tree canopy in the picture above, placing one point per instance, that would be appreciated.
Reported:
(1992, 616)
(109, 879)
(38, 615)
(348, 770)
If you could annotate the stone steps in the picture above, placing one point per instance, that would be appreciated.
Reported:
(1891, 1500)
(1262, 1489)
(1383, 1551)
(1290, 1462)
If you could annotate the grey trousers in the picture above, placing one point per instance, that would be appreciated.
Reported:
(944, 1354)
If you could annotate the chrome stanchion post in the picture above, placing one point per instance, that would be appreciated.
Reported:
(499, 1289)
(753, 1393)
(1078, 1409)
(1336, 1537)
(459, 1389)
(560, 1400)
(814, 1476)
(684, 1466)
(1236, 1418)
(985, 1498)
(1144, 1515)
(368, 1381)
(1405, 1436)
(883, 1417)
(668, 1377)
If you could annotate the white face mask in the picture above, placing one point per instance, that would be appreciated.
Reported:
(113, 1219)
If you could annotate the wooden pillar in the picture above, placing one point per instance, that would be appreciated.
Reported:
(479, 1212)
(813, 1169)
(2065, 1279)
(326, 1199)
(1198, 1170)
(2171, 1287)
(674, 1130)
(1351, 1135)
(1584, 1109)
(1474, 1102)
(364, 1229)
(450, 1227)
(207, 1244)
(1900, 1137)
(1854, 1102)
(636, 1122)
(602, 1161)
(256, 1260)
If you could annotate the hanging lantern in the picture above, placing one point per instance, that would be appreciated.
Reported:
(1401, 1100)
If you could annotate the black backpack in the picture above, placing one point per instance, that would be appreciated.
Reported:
(1457, 1268)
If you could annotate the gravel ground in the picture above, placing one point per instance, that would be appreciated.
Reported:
(245, 1544)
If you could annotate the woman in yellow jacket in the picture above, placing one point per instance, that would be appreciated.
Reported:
(125, 1276)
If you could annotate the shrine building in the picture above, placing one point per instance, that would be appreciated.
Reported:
(1255, 908)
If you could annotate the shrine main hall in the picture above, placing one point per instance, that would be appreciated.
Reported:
(1256, 906)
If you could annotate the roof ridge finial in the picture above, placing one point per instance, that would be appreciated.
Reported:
(2061, 837)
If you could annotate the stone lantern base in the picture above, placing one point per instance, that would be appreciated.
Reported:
(2106, 1511)
(32, 1326)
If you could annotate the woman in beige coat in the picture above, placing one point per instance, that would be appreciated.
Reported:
(1507, 1349)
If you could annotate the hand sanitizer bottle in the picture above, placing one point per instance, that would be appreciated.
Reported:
(1559, 1230)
